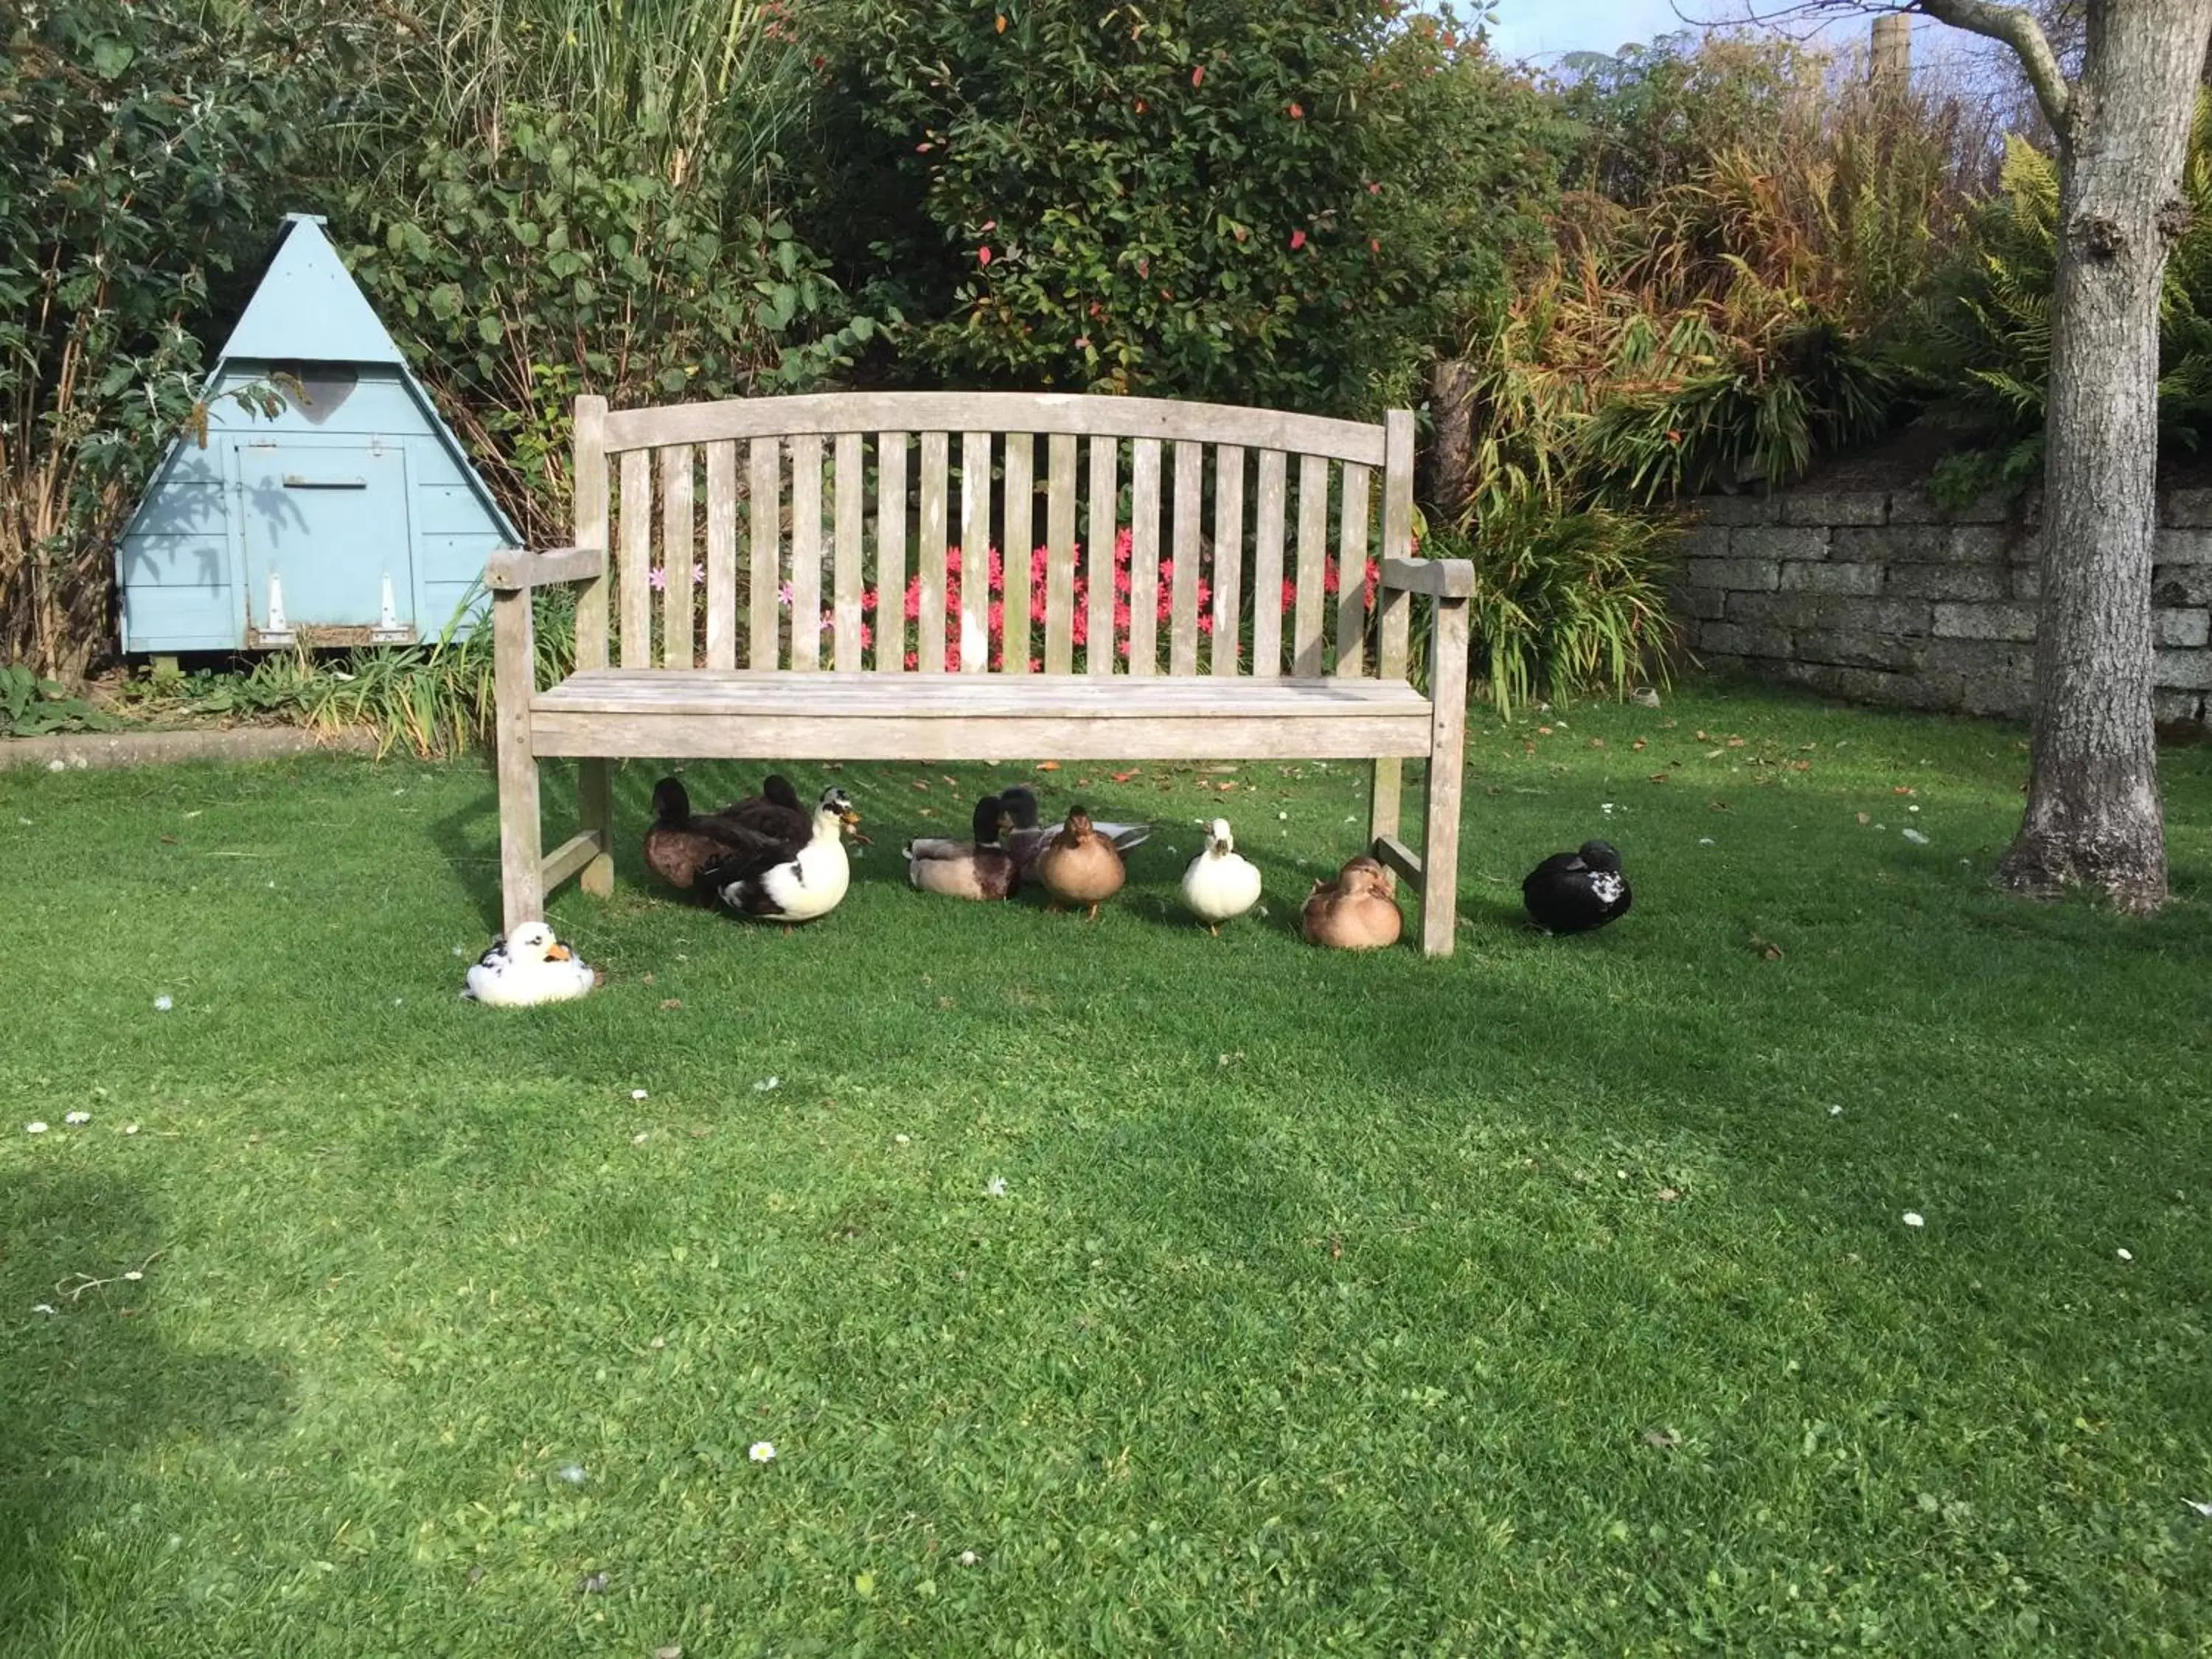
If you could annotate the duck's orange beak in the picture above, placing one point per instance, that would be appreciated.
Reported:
(558, 953)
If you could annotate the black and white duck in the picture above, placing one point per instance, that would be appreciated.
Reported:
(978, 869)
(1574, 892)
(528, 967)
(778, 884)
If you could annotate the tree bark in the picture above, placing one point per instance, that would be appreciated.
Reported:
(2092, 810)
(1451, 453)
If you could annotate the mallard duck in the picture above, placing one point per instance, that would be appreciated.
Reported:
(775, 812)
(528, 967)
(776, 884)
(1356, 912)
(1025, 841)
(978, 869)
(680, 842)
(1079, 866)
(1573, 892)
(1221, 883)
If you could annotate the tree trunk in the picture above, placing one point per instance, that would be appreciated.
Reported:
(2093, 808)
(1451, 453)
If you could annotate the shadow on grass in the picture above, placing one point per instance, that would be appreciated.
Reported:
(89, 1386)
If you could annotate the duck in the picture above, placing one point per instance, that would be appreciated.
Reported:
(1080, 865)
(1356, 912)
(1025, 841)
(527, 967)
(775, 882)
(1221, 883)
(1574, 892)
(776, 812)
(978, 869)
(680, 842)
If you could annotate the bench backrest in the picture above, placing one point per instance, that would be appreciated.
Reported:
(844, 530)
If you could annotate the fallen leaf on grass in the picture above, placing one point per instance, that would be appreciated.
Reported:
(922, 784)
(671, 1002)
(1047, 765)
(1123, 777)
(1668, 1194)
(1661, 1439)
(1637, 745)
(1735, 743)
(1766, 948)
(1865, 817)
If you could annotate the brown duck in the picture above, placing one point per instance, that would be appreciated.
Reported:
(1356, 912)
(680, 842)
(1079, 867)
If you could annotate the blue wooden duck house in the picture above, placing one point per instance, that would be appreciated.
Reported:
(352, 517)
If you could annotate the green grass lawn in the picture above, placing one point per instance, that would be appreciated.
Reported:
(1554, 1300)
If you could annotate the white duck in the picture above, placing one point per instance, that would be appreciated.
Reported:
(776, 884)
(528, 967)
(1221, 884)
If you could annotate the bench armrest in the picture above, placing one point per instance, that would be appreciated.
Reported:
(515, 569)
(1443, 579)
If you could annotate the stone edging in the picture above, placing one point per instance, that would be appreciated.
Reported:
(78, 752)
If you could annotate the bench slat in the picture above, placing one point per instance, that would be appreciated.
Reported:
(1228, 555)
(806, 553)
(1021, 507)
(1313, 567)
(1144, 557)
(1268, 569)
(1060, 554)
(1352, 573)
(1182, 594)
(679, 529)
(850, 485)
(935, 471)
(975, 552)
(636, 507)
(766, 548)
(588, 488)
(1098, 564)
(890, 552)
(722, 555)
(956, 695)
(826, 413)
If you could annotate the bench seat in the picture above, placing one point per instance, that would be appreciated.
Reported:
(701, 714)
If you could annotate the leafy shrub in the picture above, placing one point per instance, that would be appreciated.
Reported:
(1276, 201)
(143, 156)
(32, 707)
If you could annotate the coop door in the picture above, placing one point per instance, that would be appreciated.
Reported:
(329, 559)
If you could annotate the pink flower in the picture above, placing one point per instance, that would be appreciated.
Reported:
(783, 596)
(1298, 241)
(982, 256)
(657, 579)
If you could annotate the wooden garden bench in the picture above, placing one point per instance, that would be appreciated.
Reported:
(1273, 665)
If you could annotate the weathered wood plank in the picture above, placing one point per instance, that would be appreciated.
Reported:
(1308, 645)
(589, 521)
(1448, 652)
(806, 553)
(1228, 557)
(1398, 485)
(722, 555)
(513, 568)
(1389, 850)
(679, 531)
(1161, 420)
(1098, 557)
(1267, 568)
(1144, 557)
(636, 576)
(765, 515)
(962, 696)
(1449, 579)
(1060, 556)
(998, 738)
(1182, 581)
(850, 487)
(513, 681)
(595, 817)
(890, 552)
(1352, 573)
(1019, 545)
(1393, 625)
(936, 468)
(975, 552)
(570, 857)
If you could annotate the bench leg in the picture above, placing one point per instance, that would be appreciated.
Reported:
(595, 802)
(522, 894)
(1382, 804)
(1447, 764)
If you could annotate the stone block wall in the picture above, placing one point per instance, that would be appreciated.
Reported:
(1878, 596)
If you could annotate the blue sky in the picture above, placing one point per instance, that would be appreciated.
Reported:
(1542, 29)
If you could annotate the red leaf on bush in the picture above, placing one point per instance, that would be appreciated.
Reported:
(1198, 76)
(1298, 239)
(982, 256)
